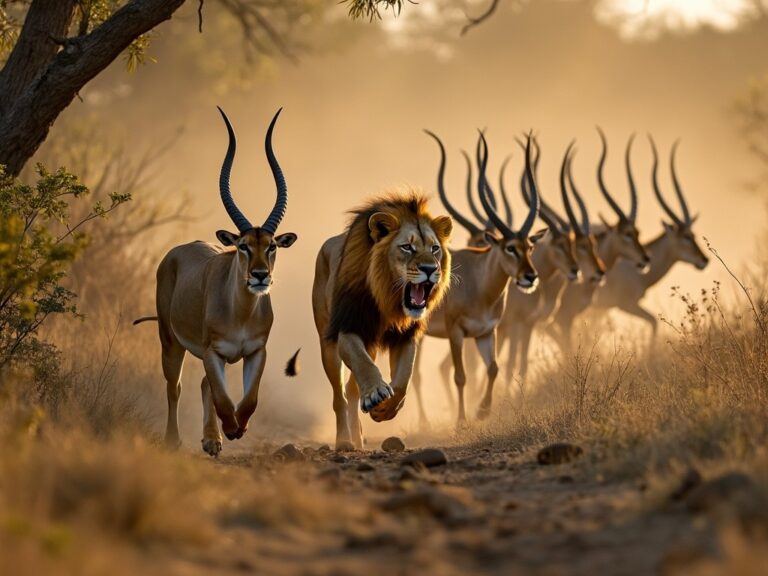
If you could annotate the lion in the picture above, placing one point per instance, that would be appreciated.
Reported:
(375, 286)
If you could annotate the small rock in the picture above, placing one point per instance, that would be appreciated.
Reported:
(339, 459)
(393, 444)
(324, 449)
(690, 480)
(559, 453)
(289, 453)
(365, 467)
(429, 458)
(730, 488)
(565, 479)
(308, 451)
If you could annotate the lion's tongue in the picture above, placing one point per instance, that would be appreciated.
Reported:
(417, 294)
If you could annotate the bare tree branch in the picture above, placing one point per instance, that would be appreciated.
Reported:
(480, 19)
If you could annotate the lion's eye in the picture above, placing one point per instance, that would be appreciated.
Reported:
(407, 248)
(435, 249)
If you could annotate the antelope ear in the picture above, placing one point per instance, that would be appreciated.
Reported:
(285, 240)
(442, 225)
(490, 237)
(538, 235)
(227, 238)
(381, 224)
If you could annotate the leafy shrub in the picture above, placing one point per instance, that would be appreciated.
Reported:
(38, 244)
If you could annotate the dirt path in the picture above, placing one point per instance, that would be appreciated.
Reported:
(487, 511)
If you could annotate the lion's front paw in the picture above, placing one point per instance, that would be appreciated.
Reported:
(388, 409)
(211, 446)
(376, 396)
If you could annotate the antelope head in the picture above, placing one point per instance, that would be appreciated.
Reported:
(561, 253)
(585, 243)
(625, 230)
(256, 246)
(680, 229)
(515, 247)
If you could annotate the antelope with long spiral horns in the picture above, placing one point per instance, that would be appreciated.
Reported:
(474, 305)
(214, 303)
(626, 287)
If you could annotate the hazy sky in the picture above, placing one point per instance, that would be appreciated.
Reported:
(355, 109)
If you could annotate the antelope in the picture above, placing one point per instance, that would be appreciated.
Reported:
(620, 240)
(625, 287)
(574, 239)
(214, 303)
(475, 304)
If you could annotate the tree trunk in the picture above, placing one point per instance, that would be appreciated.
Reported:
(39, 81)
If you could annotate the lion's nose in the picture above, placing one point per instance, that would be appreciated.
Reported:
(428, 269)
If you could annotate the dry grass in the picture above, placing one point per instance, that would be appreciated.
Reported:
(702, 395)
(70, 503)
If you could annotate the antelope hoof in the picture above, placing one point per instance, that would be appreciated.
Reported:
(231, 430)
(211, 446)
(388, 409)
(243, 415)
(484, 411)
(376, 396)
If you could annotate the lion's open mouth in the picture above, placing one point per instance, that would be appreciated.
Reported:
(415, 295)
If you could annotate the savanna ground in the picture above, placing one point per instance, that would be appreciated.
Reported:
(673, 478)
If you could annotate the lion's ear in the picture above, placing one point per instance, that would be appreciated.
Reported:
(381, 224)
(442, 225)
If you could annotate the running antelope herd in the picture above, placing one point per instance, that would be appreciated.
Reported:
(390, 279)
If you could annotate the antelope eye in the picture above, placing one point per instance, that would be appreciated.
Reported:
(435, 249)
(243, 248)
(511, 250)
(271, 248)
(407, 248)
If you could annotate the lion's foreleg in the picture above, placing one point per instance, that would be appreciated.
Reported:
(401, 364)
(373, 388)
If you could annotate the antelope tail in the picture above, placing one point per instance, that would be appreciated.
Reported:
(292, 367)
(145, 319)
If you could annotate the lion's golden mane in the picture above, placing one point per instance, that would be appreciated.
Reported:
(364, 301)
